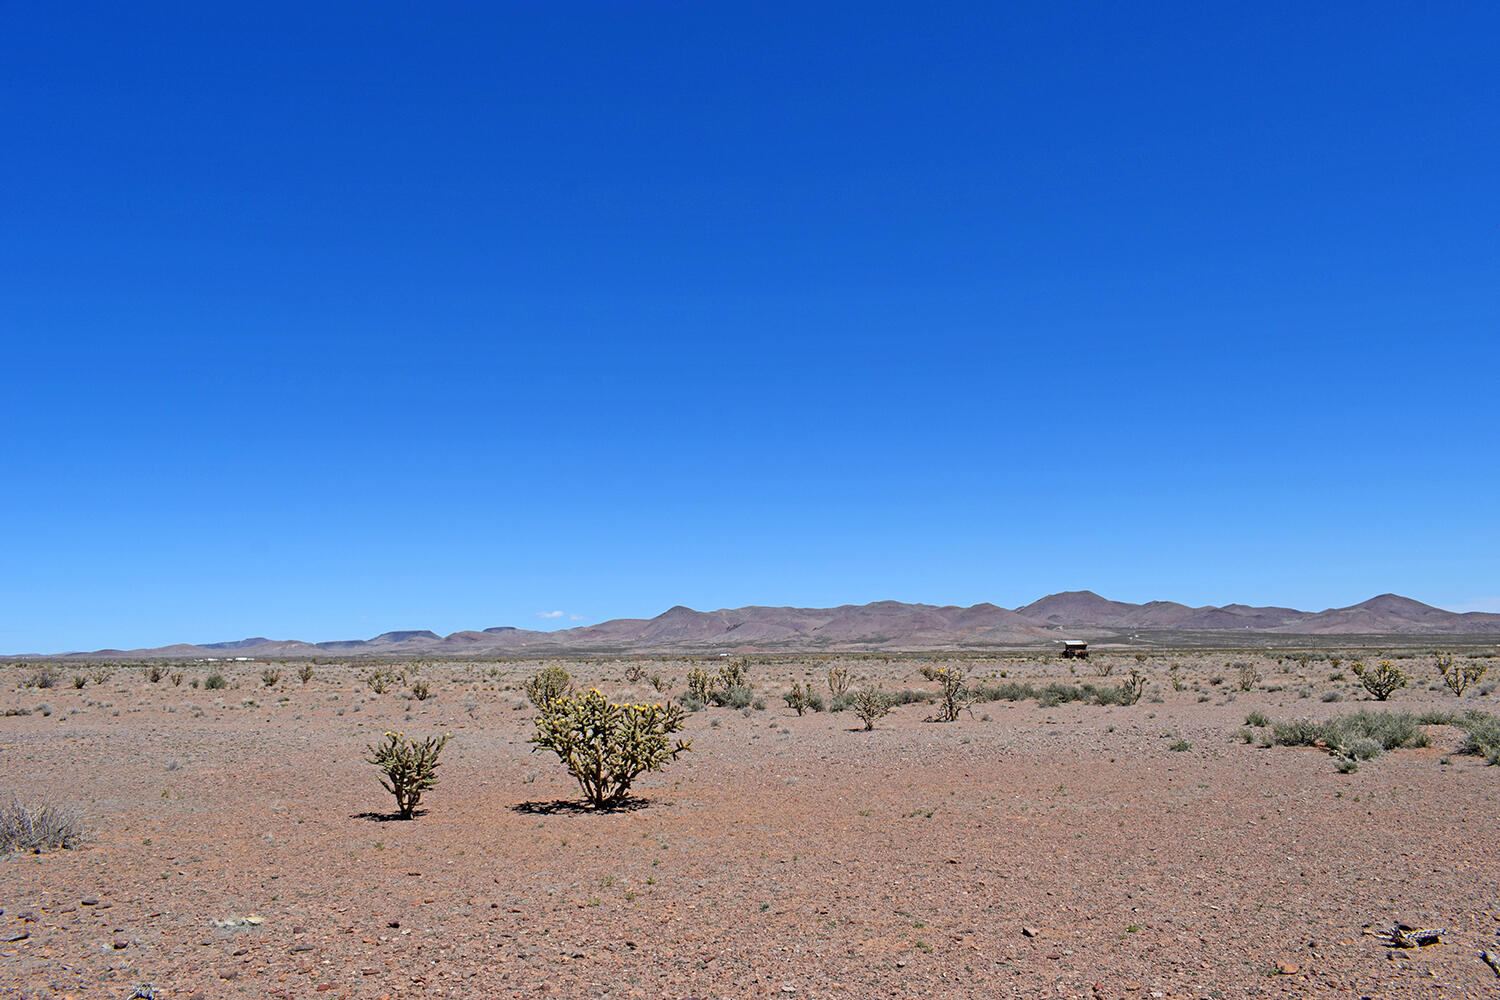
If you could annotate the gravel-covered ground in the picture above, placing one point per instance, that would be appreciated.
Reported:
(1020, 851)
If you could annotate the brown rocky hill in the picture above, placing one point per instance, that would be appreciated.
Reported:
(882, 625)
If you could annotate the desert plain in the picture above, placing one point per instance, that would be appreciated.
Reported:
(238, 843)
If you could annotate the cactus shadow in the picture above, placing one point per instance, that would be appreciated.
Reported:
(577, 807)
(390, 817)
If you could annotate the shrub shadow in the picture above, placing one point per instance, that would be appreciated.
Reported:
(577, 807)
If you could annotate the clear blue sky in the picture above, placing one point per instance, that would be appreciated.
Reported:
(321, 319)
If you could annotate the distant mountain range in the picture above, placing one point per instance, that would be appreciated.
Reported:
(884, 625)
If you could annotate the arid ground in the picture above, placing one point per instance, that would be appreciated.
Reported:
(1067, 851)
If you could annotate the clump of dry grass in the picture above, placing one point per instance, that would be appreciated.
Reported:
(38, 826)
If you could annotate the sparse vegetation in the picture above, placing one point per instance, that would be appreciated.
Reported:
(607, 746)
(409, 768)
(270, 677)
(381, 678)
(1359, 735)
(420, 690)
(305, 673)
(215, 681)
(1482, 737)
(38, 826)
(42, 679)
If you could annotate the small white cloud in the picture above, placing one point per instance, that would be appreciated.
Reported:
(575, 618)
(1491, 604)
(549, 614)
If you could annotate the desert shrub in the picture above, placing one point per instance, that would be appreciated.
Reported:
(176, 678)
(38, 826)
(1353, 734)
(100, 674)
(420, 690)
(1007, 691)
(635, 673)
(270, 677)
(1482, 737)
(409, 768)
(1175, 674)
(1059, 694)
(1347, 765)
(736, 696)
(658, 683)
(691, 704)
(1102, 666)
(215, 681)
(838, 681)
(840, 702)
(1382, 681)
(1332, 696)
(1439, 717)
(547, 686)
(381, 678)
(1296, 733)
(154, 672)
(79, 681)
(1249, 675)
(46, 678)
(1180, 745)
(607, 746)
(1140, 659)
(1458, 676)
(305, 672)
(953, 695)
(870, 705)
(1258, 719)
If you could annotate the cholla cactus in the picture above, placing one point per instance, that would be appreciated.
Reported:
(870, 705)
(700, 685)
(410, 768)
(607, 746)
(1382, 681)
(955, 694)
(1458, 676)
(798, 698)
(548, 685)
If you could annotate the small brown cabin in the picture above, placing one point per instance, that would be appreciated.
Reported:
(1075, 649)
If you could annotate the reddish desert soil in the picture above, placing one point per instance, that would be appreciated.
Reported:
(1020, 851)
